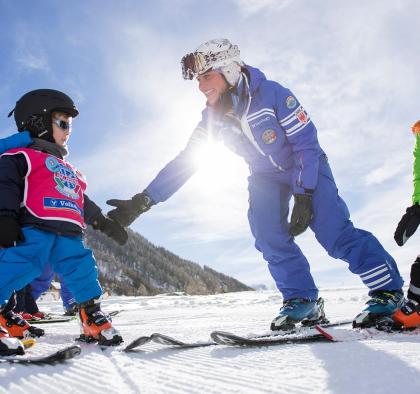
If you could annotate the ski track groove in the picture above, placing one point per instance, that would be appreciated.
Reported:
(224, 377)
(116, 357)
(94, 362)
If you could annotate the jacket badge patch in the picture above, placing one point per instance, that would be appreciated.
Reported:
(301, 115)
(291, 102)
(269, 136)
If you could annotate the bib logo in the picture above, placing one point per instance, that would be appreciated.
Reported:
(64, 177)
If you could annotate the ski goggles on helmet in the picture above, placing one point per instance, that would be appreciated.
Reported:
(197, 63)
(63, 124)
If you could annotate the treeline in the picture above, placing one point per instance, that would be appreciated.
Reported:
(141, 268)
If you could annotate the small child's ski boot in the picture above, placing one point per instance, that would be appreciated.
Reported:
(39, 315)
(10, 346)
(26, 316)
(409, 315)
(295, 310)
(96, 326)
(381, 304)
(18, 327)
(71, 311)
(34, 316)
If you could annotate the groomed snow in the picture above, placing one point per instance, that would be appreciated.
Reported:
(382, 365)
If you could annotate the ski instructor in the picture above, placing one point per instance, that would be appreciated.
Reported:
(264, 122)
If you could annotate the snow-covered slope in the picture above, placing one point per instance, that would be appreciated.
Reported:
(382, 365)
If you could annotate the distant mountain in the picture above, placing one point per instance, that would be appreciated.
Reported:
(141, 268)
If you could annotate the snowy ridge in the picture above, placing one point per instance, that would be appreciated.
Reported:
(376, 365)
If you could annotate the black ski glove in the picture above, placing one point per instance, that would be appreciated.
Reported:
(10, 232)
(407, 225)
(127, 211)
(111, 228)
(301, 214)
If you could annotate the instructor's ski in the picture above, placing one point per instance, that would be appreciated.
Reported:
(295, 335)
(228, 338)
(359, 334)
(299, 334)
(164, 340)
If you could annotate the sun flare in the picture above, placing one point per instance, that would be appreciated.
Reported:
(219, 169)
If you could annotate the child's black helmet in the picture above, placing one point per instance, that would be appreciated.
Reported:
(33, 111)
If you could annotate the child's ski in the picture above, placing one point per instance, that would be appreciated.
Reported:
(58, 356)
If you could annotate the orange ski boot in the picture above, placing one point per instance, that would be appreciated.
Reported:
(96, 326)
(10, 346)
(409, 314)
(18, 327)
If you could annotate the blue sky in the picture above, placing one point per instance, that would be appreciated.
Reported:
(354, 66)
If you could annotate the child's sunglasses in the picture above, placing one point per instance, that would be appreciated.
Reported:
(62, 124)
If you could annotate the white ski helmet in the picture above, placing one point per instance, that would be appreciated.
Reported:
(217, 55)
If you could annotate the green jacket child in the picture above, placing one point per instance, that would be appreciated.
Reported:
(409, 314)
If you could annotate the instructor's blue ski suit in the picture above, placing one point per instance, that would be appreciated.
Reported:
(271, 130)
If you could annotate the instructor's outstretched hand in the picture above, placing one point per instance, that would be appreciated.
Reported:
(127, 211)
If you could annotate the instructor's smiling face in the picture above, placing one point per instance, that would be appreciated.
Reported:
(212, 84)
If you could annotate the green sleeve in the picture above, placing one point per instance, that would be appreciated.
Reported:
(416, 171)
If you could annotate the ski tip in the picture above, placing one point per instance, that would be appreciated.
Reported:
(225, 338)
(137, 342)
(68, 352)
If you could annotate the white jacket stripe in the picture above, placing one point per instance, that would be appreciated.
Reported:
(288, 134)
(255, 114)
(373, 269)
(381, 285)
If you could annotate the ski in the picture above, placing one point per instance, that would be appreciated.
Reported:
(62, 318)
(230, 339)
(167, 340)
(360, 334)
(299, 334)
(271, 337)
(49, 359)
(140, 341)
(164, 340)
(52, 319)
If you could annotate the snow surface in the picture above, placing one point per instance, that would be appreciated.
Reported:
(381, 365)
